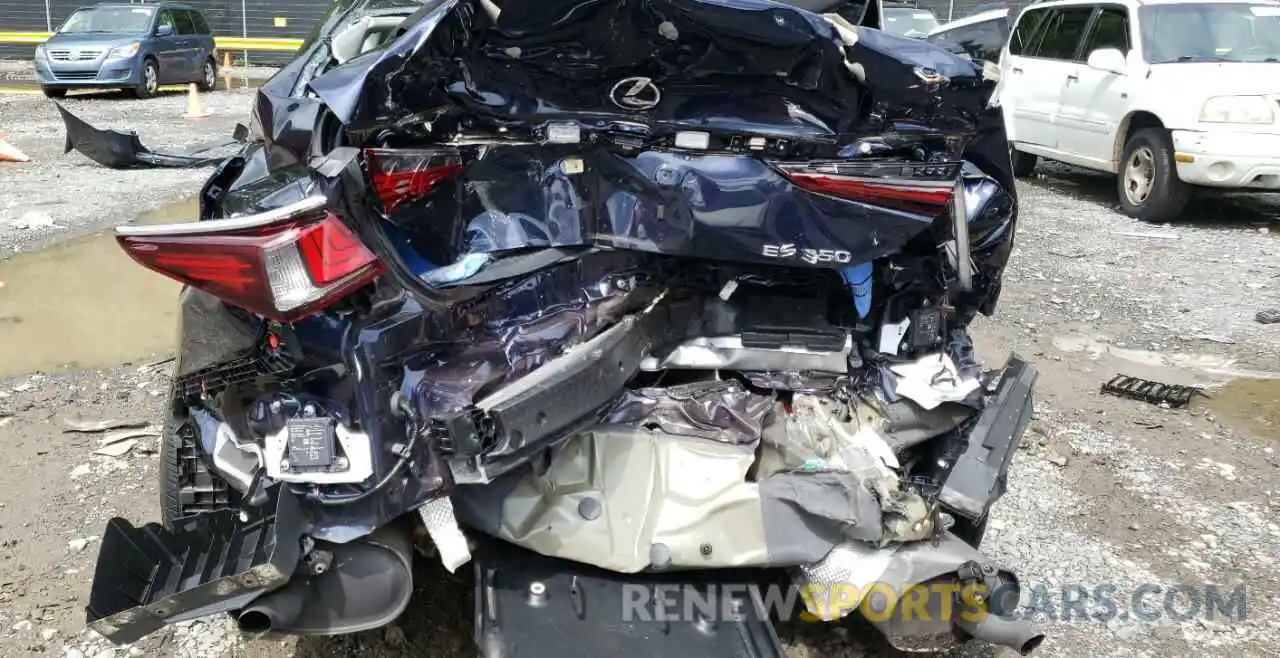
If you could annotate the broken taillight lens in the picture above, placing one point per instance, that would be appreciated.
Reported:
(283, 264)
(401, 176)
(929, 196)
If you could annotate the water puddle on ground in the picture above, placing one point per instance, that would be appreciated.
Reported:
(85, 304)
(1250, 404)
(1248, 400)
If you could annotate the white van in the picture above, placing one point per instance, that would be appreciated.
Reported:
(1168, 94)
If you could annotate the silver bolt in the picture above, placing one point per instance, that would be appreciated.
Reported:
(276, 406)
(340, 463)
(537, 594)
(284, 464)
(704, 625)
(942, 463)
(309, 411)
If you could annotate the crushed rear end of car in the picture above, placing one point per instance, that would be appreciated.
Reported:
(592, 298)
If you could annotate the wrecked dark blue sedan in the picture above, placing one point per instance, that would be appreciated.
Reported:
(588, 298)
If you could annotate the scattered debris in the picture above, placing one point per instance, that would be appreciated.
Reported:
(1145, 390)
(77, 545)
(80, 471)
(6, 420)
(89, 427)
(148, 368)
(1056, 459)
(1141, 234)
(117, 449)
(48, 634)
(1148, 424)
(24, 625)
(34, 220)
(121, 435)
(1074, 254)
(1269, 316)
(1216, 339)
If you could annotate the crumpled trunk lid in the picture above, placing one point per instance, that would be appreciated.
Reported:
(564, 58)
(730, 129)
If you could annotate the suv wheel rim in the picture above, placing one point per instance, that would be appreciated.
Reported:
(1139, 175)
(149, 78)
(208, 74)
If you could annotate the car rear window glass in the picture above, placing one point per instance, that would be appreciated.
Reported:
(979, 41)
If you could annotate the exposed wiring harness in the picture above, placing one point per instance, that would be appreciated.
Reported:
(414, 429)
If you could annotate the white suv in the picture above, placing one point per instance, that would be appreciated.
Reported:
(1168, 94)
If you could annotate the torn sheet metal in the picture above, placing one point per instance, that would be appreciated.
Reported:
(628, 500)
(717, 410)
(121, 150)
(729, 353)
(633, 498)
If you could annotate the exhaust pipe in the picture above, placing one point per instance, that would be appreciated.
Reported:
(367, 585)
(928, 566)
(274, 610)
(1005, 632)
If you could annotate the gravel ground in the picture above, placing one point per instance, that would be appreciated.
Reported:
(1106, 492)
(43, 201)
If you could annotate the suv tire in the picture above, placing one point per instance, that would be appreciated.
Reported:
(1148, 182)
(1024, 164)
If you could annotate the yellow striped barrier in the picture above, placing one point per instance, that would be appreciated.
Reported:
(23, 37)
(223, 43)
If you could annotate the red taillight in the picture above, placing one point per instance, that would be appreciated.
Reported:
(930, 197)
(284, 264)
(401, 176)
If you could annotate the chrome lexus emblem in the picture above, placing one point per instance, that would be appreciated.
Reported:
(635, 94)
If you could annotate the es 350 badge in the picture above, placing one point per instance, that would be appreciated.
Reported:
(811, 256)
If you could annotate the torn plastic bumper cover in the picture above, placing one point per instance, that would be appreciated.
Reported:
(120, 150)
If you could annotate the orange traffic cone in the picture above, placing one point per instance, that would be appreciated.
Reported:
(195, 110)
(9, 153)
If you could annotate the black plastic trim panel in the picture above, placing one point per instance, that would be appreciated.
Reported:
(530, 606)
(209, 563)
(977, 479)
